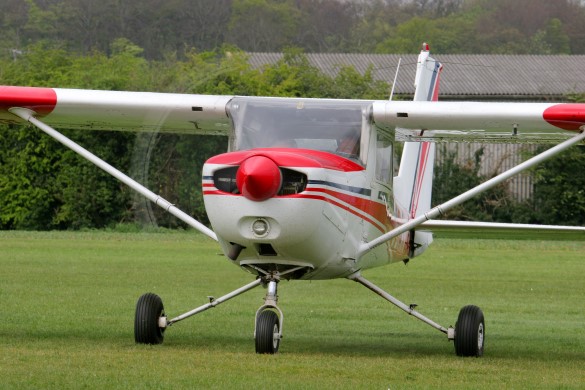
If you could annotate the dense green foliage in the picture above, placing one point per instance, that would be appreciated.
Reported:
(559, 190)
(451, 178)
(558, 196)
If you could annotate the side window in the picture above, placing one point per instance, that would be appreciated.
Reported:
(384, 170)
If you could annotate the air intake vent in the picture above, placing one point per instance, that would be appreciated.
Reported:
(293, 182)
(225, 180)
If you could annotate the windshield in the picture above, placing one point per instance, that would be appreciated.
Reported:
(325, 125)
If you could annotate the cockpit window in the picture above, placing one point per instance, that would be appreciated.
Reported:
(325, 125)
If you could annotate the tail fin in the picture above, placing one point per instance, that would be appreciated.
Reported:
(413, 185)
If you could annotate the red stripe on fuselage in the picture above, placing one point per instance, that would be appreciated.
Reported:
(373, 212)
(374, 209)
(342, 206)
(40, 100)
(218, 192)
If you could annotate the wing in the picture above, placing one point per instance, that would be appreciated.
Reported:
(481, 122)
(209, 114)
(114, 110)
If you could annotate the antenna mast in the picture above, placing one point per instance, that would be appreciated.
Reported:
(395, 78)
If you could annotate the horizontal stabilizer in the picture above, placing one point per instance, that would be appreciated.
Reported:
(467, 229)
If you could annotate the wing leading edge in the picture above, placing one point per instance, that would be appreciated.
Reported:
(208, 114)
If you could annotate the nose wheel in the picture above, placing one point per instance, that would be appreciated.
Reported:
(269, 319)
(267, 332)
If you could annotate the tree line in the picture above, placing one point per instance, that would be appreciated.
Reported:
(173, 27)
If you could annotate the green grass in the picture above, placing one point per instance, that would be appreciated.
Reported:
(67, 309)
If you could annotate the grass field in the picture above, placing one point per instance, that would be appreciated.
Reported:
(67, 309)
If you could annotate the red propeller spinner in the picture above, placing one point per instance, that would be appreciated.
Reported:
(258, 178)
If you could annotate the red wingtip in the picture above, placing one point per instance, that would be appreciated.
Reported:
(566, 116)
(40, 100)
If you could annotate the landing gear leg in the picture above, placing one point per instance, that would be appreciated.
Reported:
(469, 331)
(269, 319)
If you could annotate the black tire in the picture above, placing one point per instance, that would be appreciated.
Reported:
(267, 329)
(470, 332)
(149, 309)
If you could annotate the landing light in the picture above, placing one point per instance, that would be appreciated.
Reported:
(260, 227)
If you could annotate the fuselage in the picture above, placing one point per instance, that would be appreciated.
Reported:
(324, 209)
(305, 183)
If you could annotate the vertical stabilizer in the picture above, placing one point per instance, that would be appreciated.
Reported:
(413, 185)
(426, 81)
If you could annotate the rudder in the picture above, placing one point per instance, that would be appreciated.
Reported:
(414, 182)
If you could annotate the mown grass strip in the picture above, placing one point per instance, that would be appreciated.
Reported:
(67, 307)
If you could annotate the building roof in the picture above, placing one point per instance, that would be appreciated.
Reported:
(471, 76)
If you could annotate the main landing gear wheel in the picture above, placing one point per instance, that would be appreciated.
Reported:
(267, 332)
(149, 309)
(470, 332)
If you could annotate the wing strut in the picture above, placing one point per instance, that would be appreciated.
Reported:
(28, 116)
(442, 208)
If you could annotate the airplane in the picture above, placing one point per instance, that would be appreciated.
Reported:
(306, 189)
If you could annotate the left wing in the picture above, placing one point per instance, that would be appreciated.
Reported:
(481, 121)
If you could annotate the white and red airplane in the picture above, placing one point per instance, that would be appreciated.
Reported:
(306, 190)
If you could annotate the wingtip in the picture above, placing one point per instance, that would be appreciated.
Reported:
(40, 100)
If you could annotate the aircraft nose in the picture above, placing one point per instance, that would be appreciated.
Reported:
(258, 178)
